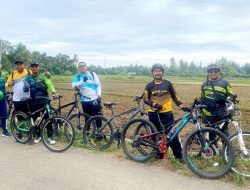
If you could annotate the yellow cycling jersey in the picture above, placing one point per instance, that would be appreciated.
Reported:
(160, 93)
(16, 81)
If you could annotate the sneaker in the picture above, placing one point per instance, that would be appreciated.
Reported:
(51, 141)
(37, 140)
(6, 134)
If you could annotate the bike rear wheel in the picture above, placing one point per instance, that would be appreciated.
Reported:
(208, 153)
(241, 164)
(135, 146)
(60, 130)
(98, 133)
(20, 127)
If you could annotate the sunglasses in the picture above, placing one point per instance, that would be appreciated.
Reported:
(214, 71)
(80, 66)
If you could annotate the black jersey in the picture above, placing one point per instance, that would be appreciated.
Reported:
(161, 93)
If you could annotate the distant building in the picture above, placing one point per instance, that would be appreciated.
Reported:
(131, 75)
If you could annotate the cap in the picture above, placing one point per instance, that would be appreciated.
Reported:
(18, 61)
(34, 64)
(81, 64)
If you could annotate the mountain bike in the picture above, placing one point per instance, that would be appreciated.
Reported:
(77, 118)
(240, 139)
(23, 126)
(209, 159)
(99, 131)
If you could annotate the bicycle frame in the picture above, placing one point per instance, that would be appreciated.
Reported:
(135, 111)
(166, 139)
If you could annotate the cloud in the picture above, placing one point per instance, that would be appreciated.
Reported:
(131, 31)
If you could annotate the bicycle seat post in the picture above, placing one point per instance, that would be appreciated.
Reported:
(159, 119)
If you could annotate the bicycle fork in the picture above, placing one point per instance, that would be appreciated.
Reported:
(240, 138)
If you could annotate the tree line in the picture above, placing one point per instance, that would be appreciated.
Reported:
(62, 64)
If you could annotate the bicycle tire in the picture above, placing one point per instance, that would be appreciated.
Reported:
(241, 164)
(98, 139)
(82, 118)
(217, 154)
(20, 127)
(56, 126)
(133, 147)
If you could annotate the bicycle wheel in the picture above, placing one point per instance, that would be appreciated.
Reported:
(136, 147)
(241, 164)
(78, 120)
(97, 133)
(205, 154)
(20, 127)
(60, 130)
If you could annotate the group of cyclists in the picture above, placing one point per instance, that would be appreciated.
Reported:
(32, 83)
(158, 95)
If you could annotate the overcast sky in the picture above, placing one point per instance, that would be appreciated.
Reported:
(115, 32)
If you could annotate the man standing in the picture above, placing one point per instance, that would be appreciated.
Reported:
(89, 85)
(3, 103)
(16, 81)
(38, 85)
(158, 95)
(214, 93)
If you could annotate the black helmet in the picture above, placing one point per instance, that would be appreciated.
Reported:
(157, 66)
(213, 67)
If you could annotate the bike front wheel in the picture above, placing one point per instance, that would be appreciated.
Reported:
(137, 140)
(98, 133)
(20, 127)
(78, 120)
(241, 147)
(208, 153)
(58, 134)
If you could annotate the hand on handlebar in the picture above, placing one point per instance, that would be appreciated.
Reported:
(158, 106)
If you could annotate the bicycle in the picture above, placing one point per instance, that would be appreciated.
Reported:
(77, 118)
(99, 131)
(141, 141)
(240, 139)
(23, 127)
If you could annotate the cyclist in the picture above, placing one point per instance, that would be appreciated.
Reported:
(214, 93)
(38, 85)
(16, 81)
(90, 88)
(3, 103)
(158, 94)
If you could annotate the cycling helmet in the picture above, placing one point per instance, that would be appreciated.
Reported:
(213, 67)
(157, 66)
(1, 95)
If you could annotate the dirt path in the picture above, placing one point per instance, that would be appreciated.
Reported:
(25, 167)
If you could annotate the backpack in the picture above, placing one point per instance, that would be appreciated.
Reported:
(92, 74)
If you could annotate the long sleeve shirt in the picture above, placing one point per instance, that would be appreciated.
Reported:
(90, 89)
(160, 93)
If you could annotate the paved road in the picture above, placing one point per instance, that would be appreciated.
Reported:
(25, 167)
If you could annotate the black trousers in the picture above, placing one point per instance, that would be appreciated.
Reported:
(167, 118)
(92, 108)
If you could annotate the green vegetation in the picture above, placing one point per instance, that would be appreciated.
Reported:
(64, 65)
